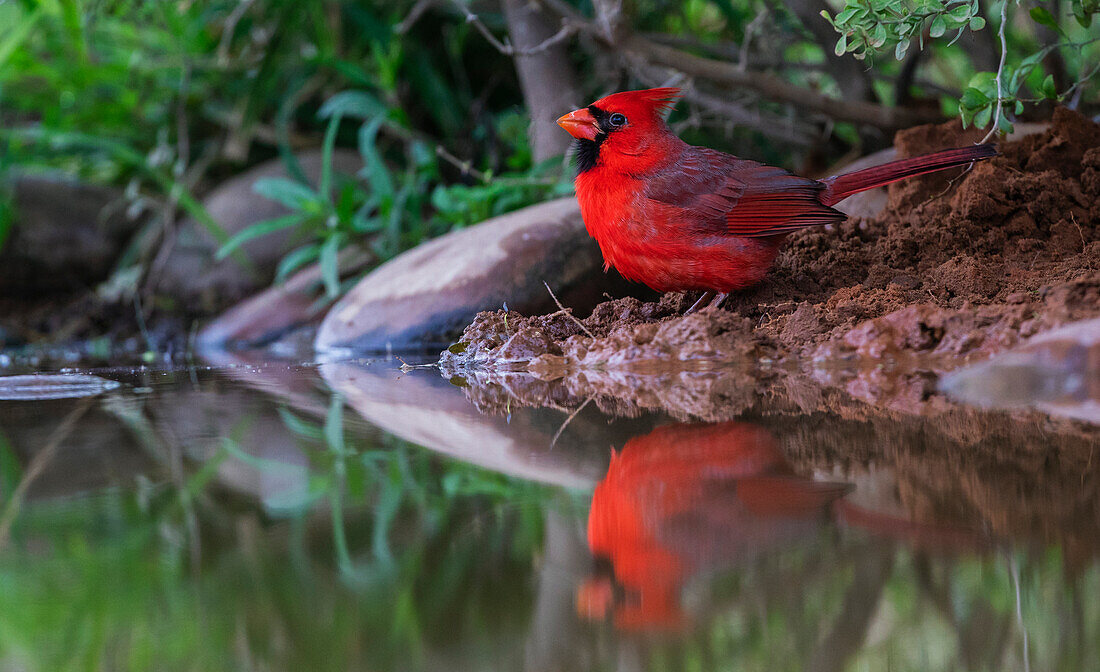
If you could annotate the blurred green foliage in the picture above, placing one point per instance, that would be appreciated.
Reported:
(171, 99)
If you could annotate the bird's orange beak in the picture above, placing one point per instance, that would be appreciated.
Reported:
(580, 124)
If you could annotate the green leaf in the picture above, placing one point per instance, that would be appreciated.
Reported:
(334, 425)
(259, 229)
(841, 45)
(357, 104)
(846, 14)
(1083, 17)
(960, 12)
(295, 260)
(374, 169)
(878, 36)
(1042, 16)
(15, 37)
(298, 426)
(973, 99)
(899, 51)
(293, 195)
(1004, 125)
(326, 155)
(977, 23)
(981, 118)
(1048, 89)
(939, 27)
(330, 265)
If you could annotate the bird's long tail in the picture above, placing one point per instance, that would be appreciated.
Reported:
(840, 187)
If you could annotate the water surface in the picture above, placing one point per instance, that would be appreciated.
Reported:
(354, 515)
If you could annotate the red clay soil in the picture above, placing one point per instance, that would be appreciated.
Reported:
(959, 265)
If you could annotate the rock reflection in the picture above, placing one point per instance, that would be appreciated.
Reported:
(687, 499)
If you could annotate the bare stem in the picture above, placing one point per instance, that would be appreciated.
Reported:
(1000, 74)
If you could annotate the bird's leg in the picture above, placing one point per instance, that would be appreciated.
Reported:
(719, 299)
(703, 300)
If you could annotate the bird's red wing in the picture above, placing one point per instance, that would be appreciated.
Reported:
(725, 195)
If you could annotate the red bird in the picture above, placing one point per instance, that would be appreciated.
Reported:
(678, 217)
(690, 499)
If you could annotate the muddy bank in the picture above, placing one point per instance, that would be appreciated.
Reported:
(1021, 473)
(958, 266)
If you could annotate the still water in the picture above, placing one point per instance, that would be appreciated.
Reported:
(360, 516)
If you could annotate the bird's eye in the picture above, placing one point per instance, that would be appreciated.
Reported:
(617, 120)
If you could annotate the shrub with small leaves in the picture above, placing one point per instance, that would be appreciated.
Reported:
(867, 27)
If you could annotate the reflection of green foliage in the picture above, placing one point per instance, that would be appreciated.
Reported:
(386, 560)
(393, 558)
(793, 611)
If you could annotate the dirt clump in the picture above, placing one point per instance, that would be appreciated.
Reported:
(959, 265)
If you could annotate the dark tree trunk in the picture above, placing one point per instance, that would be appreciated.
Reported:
(547, 77)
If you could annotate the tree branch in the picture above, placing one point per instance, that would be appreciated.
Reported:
(775, 88)
(786, 130)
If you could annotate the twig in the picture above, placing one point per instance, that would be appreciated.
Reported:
(406, 367)
(774, 88)
(503, 47)
(557, 435)
(743, 54)
(566, 31)
(413, 16)
(37, 465)
(1014, 572)
(464, 166)
(787, 130)
(562, 310)
(1000, 74)
(568, 28)
(230, 27)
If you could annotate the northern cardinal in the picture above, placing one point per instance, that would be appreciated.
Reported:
(685, 499)
(678, 217)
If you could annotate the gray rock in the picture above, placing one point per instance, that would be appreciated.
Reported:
(423, 408)
(1057, 371)
(66, 235)
(280, 314)
(191, 273)
(423, 298)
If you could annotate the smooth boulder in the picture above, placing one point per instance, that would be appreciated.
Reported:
(422, 299)
(66, 234)
(194, 276)
(1057, 371)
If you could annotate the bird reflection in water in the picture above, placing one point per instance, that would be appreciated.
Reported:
(685, 499)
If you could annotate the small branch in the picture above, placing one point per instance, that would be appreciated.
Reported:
(475, 20)
(575, 413)
(562, 310)
(743, 54)
(774, 88)
(1000, 74)
(37, 466)
(418, 10)
(463, 166)
(567, 29)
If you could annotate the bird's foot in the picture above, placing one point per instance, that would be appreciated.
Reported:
(707, 300)
(703, 300)
(719, 299)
